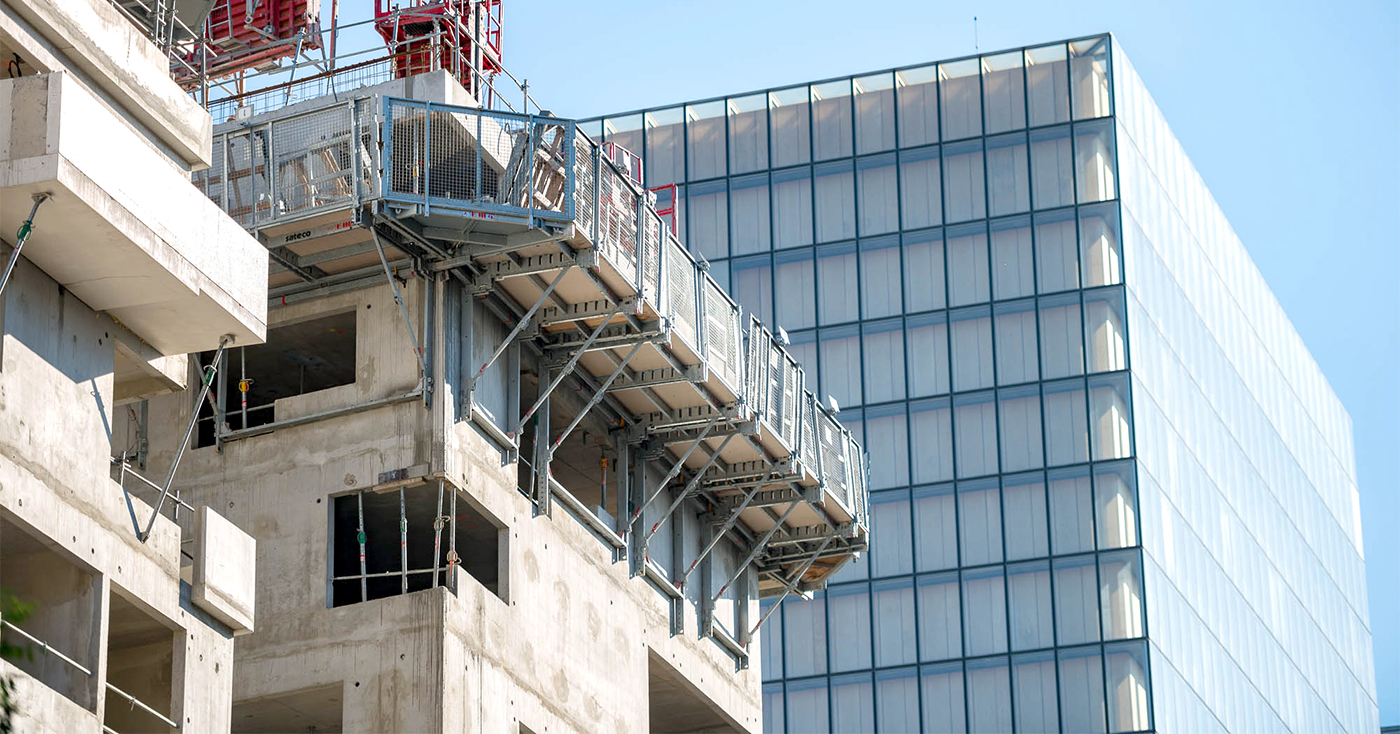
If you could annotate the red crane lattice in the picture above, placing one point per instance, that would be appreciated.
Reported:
(425, 35)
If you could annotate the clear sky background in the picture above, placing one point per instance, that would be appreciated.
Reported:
(1290, 110)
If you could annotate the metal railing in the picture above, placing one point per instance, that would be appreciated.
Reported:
(45, 649)
(136, 703)
(538, 172)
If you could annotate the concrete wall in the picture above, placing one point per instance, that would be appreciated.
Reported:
(56, 362)
(565, 650)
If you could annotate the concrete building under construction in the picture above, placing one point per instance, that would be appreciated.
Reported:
(427, 361)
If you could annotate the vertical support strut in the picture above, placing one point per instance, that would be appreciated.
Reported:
(437, 535)
(403, 542)
(568, 367)
(360, 536)
(675, 469)
(592, 403)
(690, 486)
(519, 327)
(398, 298)
(728, 524)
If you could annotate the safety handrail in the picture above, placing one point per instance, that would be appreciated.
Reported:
(137, 702)
(46, 649)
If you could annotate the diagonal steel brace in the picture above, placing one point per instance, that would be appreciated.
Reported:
(790, 585)
(689, 487)
(757, 549)
(598, 396)
(566, 370)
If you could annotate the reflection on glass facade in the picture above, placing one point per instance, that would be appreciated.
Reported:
(1072, 530)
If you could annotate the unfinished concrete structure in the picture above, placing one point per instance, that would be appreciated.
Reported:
(119, 269)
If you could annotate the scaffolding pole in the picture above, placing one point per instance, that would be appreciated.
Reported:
(21, 237)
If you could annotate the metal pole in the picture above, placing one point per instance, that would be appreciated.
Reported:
(364, 588)
(20, 238)
(689, 486)
(243, 382)
(568, 367)
(519, 326)
(675, 469)
(452, 543)
(787, 588)
(437, 536)
(729, 523)
(757, 548)
(597, 398)
(184, 443)
(398, 298)
(403, 542)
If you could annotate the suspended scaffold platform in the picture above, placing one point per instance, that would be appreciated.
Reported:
(537, 224)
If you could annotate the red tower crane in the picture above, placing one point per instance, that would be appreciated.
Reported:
(461, 36)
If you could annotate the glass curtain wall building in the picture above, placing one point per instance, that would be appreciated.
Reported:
(1074, 530)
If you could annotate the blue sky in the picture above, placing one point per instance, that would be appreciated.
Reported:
(1290, 110)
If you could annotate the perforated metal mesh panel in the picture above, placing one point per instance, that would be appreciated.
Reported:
(651, 251)
(680, 289)
(367, 149)
(249, 195)
(722, 336)
(807, 431)
(859, 494)
(314, 169)
(833, 447)
(585, 192)
(406, 163)
(212, 180)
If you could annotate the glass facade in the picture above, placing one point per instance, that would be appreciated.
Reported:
(956, 251)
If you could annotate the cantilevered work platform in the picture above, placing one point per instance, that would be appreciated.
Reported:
(538, 225)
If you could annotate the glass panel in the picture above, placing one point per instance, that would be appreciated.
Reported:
(1115, 497)
(1066, 424)
(708, 218)
(792, 207)
(918, 106)
(790, 129)
(887, 435)
(849, 610)
(1090, 68)
(705, 139)
(964, 190)
(1004, 90)
(984, 611)
(920, 188)
(1056, 251)
(972, 348)
(1081, 690)
(625, 131)
(1013, 267)
(807, 706)
(835, 202)
(831, 119)
(897, 700)
(748, 133)
(988, 697)
(773, 708)
(1127, 687)
(940, 626)
(874, 113)
(840, 360)
(1052, 169)
(665, 158)
(1099, 251)
(884, 362)
(1111, 417)
(796, 289)
(923, 270)
(879, 195)
(1047, 83)
(838, 292)
(1103, 329)
(1037, 709)
(1023, 500)
(804, 349)
(894, 621)
(968, 265)
(771, 642)
(1061, 337)
(1008, 188)
(961, 89)
(891, 539)
(752, 286)
(1093, 155)
(804, 636)
(976, 434)
(880, 278)
(931, 429)
(1031, 620)
(1120, 594)
(943, 698)
(1071, 512)
(1017, 356)
(936, 528)
(979, 511)
(748, 221)
(928, 355)
(1076, 600)
(1020, 428)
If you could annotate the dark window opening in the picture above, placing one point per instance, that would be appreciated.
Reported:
(395, 542)
(141, 663)
(297, 359)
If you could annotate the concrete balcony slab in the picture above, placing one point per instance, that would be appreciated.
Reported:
(123, 230)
